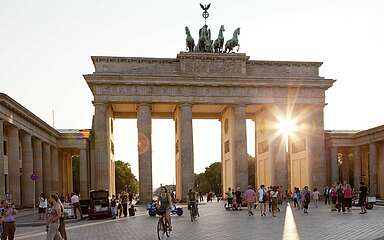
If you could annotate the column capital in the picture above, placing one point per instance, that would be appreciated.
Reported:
(185, 104)
(144, 104)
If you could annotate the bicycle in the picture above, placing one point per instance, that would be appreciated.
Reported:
(162, 227)
(193, 211)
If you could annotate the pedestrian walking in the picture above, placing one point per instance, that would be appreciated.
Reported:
(363, 197)
(53, 218)
(340, 198)
(274, 200)
(262, 197)
(43, 205)
(348, 197)
(333, 195)
(306, 199)
(294, 196)
(250, 198)
(76, 205)
(124, 202)
(62, 231)
(299, 198)
(113, 206)
(327, 195)
(238, 198)
(315, 196)
(9, 221)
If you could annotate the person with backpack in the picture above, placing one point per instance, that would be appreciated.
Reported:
(306, 199)
(262, 196)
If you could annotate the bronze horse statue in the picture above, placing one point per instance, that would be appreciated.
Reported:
(219, 42)
(190, 43)
(231, 43)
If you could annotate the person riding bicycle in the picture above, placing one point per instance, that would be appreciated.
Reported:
(192, 199)
(164, 203)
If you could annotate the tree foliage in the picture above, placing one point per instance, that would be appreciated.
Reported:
(125, 180)
(210, 180)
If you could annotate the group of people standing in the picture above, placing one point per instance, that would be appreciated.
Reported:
(340, 196)
(120, 203)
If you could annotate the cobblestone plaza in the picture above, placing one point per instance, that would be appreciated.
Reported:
(216, 223)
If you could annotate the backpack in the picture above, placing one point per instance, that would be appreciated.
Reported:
(307, 197)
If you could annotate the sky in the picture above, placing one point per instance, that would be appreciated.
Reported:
(45, 48)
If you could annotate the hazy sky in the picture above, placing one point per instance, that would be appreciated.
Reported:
(45, 47)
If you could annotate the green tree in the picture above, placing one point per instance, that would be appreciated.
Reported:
(210, 180)
(125, 180)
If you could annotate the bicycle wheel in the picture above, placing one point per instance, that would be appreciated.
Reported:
(166, 227)
(160, 229)
(191, 213)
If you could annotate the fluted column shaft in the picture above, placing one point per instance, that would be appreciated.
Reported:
(2, 180)
(144, 128)
(14, 165)
(27, 165)
(84, 191)
(47, 170)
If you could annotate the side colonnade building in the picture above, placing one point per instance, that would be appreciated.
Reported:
(29, 146)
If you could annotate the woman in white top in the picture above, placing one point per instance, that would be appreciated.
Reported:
(43, 205)
(315, 196)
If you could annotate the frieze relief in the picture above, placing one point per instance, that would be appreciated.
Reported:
(209, 91)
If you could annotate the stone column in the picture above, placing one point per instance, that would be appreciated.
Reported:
(184, 174)
(240, 155)
(356, 166)
(84, 190)
(334, 165)
(60, 168)
(14, 165)
(144, 128)
(373, 169)
(2, 179)
(101, 147)
(27, 164)
(38, 166)
(47, 170)
(55, 186)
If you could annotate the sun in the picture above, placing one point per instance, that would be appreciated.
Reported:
(287, 127)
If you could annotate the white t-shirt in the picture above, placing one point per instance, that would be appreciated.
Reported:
(261, 194)
(74, 199)
(43, 203)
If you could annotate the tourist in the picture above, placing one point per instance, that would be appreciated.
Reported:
(62, 198)
(43, 204)
(76, 205)
(333, 195)
(340, 198)
(229, 196)
(269, 198)
(130, 198)
(164, 202)
(315, 196)
(250, 198)
(132, 210)
(348, 197)
(262, 197)
(306, 199)
(124, 203)
(294, 196)
(113, 206)
(53, 218)
(299, 199)
(62, 231)
(201, 199)
(363, 197)
(274, 194)
(326, 195)
(238, 198)
(9, 221)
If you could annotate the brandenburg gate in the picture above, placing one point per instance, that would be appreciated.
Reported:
(225, 86)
